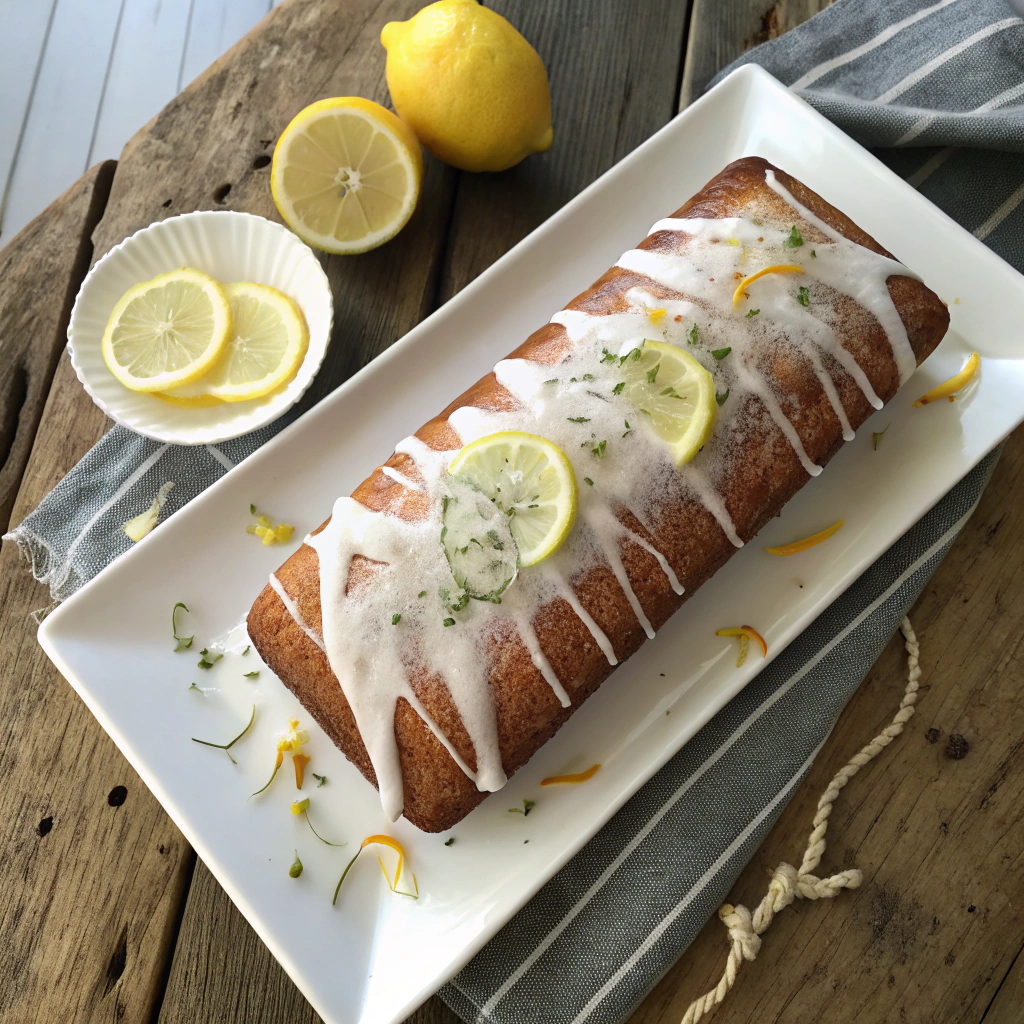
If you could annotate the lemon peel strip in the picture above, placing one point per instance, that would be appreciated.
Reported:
(573, 778)
(949, 388)
(775, 268)
(808, 542)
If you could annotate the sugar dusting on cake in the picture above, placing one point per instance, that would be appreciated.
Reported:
(405, 617)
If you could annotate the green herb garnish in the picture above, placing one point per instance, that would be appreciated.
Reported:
(397, 617)
(721, 353)
(633, 353)
(296, 869)
(422, 593)
(587, 480)
(248, 648)
(226, 747)
(652, 373)
(608, 357)
(599, 448)
(804, 296)
(554, 380)
(629, 429)
(183, 642)
(251, 675)
(814, 255)
(721, 397)
(320, 779)
(305, 813)
(448, 622)
(208, 658)
(448, 842)
(528, 805)
(617, 390)
(198, 690)
(692, 335)
(577, 419)
(795, 239)
(752, 312)
(588, 377)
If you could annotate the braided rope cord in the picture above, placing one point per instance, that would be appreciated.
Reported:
(789, 883)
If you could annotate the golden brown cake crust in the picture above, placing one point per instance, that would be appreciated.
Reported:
(757, 480)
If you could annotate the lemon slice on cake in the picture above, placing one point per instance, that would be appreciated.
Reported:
(674, 395)
(529, 479)
(346, 174)
(168, 331)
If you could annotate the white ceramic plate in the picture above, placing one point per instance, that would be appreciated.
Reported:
(376, 956)
(229, 246)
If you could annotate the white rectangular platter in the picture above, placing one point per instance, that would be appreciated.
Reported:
(375, 956)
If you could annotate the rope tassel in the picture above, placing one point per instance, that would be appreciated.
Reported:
(789, 883)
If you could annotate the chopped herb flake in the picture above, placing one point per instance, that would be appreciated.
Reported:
(422, 593)
(588, 377)
(599, 448)
(248, 648)
(721, 353)
(226, 747)
(578, 419)
(320, 779)
(397, 617)
(652, 373)
(252, 509)
(814, 255)
(183, 642)
(587, 480)
(554, 380)
(296, 869)
(198, 690)
(448, 842)
(448, 622)
(721, 397)
(209, 658)
(251, 675)
(607, 357)
(692, 335)
(795, 239)
(752, 312)
(528, 805)
(804, 296)
(617, 390)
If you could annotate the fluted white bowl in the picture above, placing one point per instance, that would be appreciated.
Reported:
(230, 246)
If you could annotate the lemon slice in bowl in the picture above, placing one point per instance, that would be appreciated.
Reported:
(168, 331)
(674, 395)
(531, 481)
(346, 174)
(268, 342)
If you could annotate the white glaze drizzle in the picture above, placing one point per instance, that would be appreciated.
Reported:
(293, 610)
(371, 657)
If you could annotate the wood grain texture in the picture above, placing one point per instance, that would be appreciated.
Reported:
(613, 69)
(934, 823)
(93, 875)
(722, 30)
(50, 256)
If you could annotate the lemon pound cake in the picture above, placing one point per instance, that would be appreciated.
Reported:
(478, 587)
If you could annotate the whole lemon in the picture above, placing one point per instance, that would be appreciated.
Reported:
(469, 85)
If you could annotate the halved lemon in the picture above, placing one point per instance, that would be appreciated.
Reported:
(168, 331)
(346, 174)
(673, 394)
(268, 342)
(529, 479)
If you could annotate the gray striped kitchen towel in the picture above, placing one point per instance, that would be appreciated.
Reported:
(938, 82)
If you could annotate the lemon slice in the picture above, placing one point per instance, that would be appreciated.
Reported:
(268, 342)
(674, 395)
(530, 480)
(346, 174)
(168, 331)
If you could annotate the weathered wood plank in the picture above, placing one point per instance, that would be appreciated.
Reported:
(93, 872)
(614, 70)
(608, 68)
(51, 254)
(937, 832)
(1008, 1005)
(722, 30)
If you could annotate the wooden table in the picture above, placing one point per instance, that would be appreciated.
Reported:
(106, 913)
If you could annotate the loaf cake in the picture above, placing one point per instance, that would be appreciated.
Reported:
(436, 698)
